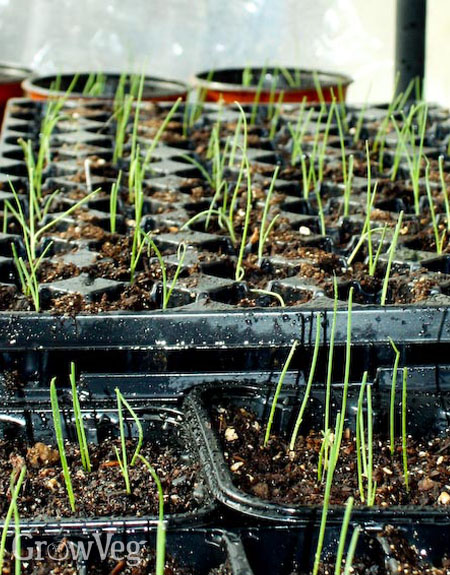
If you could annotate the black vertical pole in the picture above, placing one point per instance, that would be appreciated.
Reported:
(410, 42)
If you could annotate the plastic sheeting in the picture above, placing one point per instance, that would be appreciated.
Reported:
(175, 38)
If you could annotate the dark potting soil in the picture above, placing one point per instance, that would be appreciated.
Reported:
(396, 554)
(102, 491)
(408, 557)
(278, 475)
(144, 564)
(60, 559)
(56, 559)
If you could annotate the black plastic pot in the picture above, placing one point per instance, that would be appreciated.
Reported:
(427, 415)
(163, 423)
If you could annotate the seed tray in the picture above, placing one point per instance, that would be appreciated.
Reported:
(202, 550)
(208, 306)
(290, 550)
(31, 423)
(427, 413)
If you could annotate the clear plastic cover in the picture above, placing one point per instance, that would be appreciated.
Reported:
(176, 38)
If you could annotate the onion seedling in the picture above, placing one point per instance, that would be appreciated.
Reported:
(392, 406)
(306, 395)
(17, 539)
(341, 138)
(444, 191)
(334, 455)
(361, 451)
(95, 84)
(257, 97)
(331, 111)
(364, 447)
(269, 293)
(319, 90)
(239, 276)
(414, 157)
(48, 123)
(161, 528)
(274, 118)
(348, 569)
(121, 126)
(81, 433)
(439, 241)
(122, 458)
(12, 509)
(323, 455)
(343, 535)
(360, 120)
(298, 134)
(113, 203)
(348, 186)
(137, 193)
(391, 252)
(341, 106)
(27, 269)
(309, 176)
(397, 103)
(166, 289)
(404, 436)
(371, 484)
(278, 390)
(317, 190)
(193, 112)
(159, 133)
(367, 231)
(266, 229)
(60, 443)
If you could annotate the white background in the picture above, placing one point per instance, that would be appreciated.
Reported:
(174, 38)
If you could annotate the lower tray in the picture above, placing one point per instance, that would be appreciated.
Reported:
(194, 552)
(163, 425)
(427, 414)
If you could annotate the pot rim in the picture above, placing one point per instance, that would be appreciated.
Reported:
(13, 72)
(200, 79)
(172, 87)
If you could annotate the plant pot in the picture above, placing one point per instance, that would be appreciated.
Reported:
(11, 78)
(227, 85)
(245, 481)
(155, 89)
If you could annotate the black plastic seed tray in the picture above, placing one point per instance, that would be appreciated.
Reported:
(198, 551)
(291, 550)
(207, 303)
(427, 415)
(162, 423)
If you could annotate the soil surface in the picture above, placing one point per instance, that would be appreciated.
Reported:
(102, 491)
(145, 565)
(290, 478)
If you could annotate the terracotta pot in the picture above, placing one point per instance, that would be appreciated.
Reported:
(11, 78)
(155, 89)
(228, 85)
